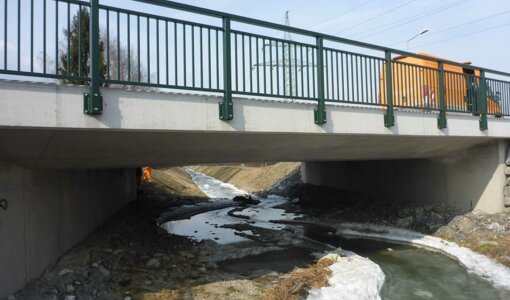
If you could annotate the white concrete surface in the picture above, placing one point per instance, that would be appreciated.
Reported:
(49, 211)
(154, 128)
(467, 180)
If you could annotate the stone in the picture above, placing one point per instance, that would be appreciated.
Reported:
(434, 221)
(186, 254)
(128, 298)
(405, 222)
(496, 227)
(506, 191)
(103, 271)
(70, 289)
(64, 272)
(508, 181)
(507, 201)
(153, 263)
(11, 297)
(70, 297)
(507, 161)
(404, 213)
(507, 170)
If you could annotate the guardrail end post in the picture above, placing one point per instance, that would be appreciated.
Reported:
(389, 117)
(320, 111)
(93, 101)
(441, 119)
(227, 107)
(482, 100)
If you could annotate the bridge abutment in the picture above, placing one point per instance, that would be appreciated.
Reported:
(49, 211)
(473, 179)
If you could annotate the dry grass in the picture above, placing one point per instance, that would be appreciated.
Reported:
(301, 280)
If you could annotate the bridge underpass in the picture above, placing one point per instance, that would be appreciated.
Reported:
(63, 171)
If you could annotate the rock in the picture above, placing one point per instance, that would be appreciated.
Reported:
(507, 170)
(404, 213)
(186, 254)
(153, 263)
(70, 297)
(103, 271)
(128, 298)
(433, 221)
(506, 190)
(507, 201)
(64, 272)
(11, 297)
(125, 282)
(496, 227)
(202, 269)
(465, 225)
(405, 222)
(246, 200)
(507, 161)
(70, 289)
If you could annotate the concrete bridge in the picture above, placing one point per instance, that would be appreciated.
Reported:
(70, 146)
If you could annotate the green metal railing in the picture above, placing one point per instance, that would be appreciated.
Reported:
(87, 42)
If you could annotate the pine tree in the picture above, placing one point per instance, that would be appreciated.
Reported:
(70, 65)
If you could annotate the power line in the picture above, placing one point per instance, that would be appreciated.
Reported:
(375, 17)
(342, 14)
(460, 25)
(412, 19)
(464, 35)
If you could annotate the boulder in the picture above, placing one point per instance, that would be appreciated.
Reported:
(153, 263)
(246, 200)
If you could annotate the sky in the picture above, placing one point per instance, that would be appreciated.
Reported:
(459, 30)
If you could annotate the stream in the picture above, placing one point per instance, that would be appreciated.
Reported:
(411, 272)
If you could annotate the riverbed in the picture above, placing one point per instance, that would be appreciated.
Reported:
(410, 272)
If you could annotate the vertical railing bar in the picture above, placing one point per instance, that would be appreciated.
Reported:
(307, 51)
(5, 34)
(295, 71)
(291, 88)
(277, 68)
(342, 65)
(243, 69)
(313, 72)
(441, 120)
(251, 65)
(19, 35)
(483, 101)
(157, 51)
(118, 46)
(31, 36)
(192, 55)
(56, 38)
(138, 49)
(69, 63)
(301, 69)
(389, 120)
(371, 76)
(167, 54)
(217, 61)
(271, 65)
(79, 41)
(284, 70)
(128, 16)
(258, 64)
(367, 88)
(201, 57)
(337, 76)
(236, 61)
(184, 65)
(326, 81)
(176, 61)
(148, 51)
(209, 68)
(44, 34)
(108, 43)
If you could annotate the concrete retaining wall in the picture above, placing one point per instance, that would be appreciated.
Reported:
(471, 179)
(49, 211)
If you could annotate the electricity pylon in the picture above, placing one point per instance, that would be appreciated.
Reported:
(289, 62)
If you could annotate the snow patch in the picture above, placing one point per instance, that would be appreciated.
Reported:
(475, 263)
(353, 277)
(214, 188)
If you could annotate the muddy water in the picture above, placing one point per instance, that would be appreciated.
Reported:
(411, 273)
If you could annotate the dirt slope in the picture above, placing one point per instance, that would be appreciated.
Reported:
(250, 179)
(177, 182)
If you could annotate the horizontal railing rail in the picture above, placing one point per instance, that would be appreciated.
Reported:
(87, 42)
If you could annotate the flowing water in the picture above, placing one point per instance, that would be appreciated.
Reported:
(411, 273)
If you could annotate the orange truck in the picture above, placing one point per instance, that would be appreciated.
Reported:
(416, 85)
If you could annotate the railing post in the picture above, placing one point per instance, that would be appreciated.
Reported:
(226, 107)
(93, 101)
(320, 111)
(482, 101)
(441, 119)
(389, 118)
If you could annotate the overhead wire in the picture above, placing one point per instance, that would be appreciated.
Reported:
(342, 14)
(377, 16)
(412, 19)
